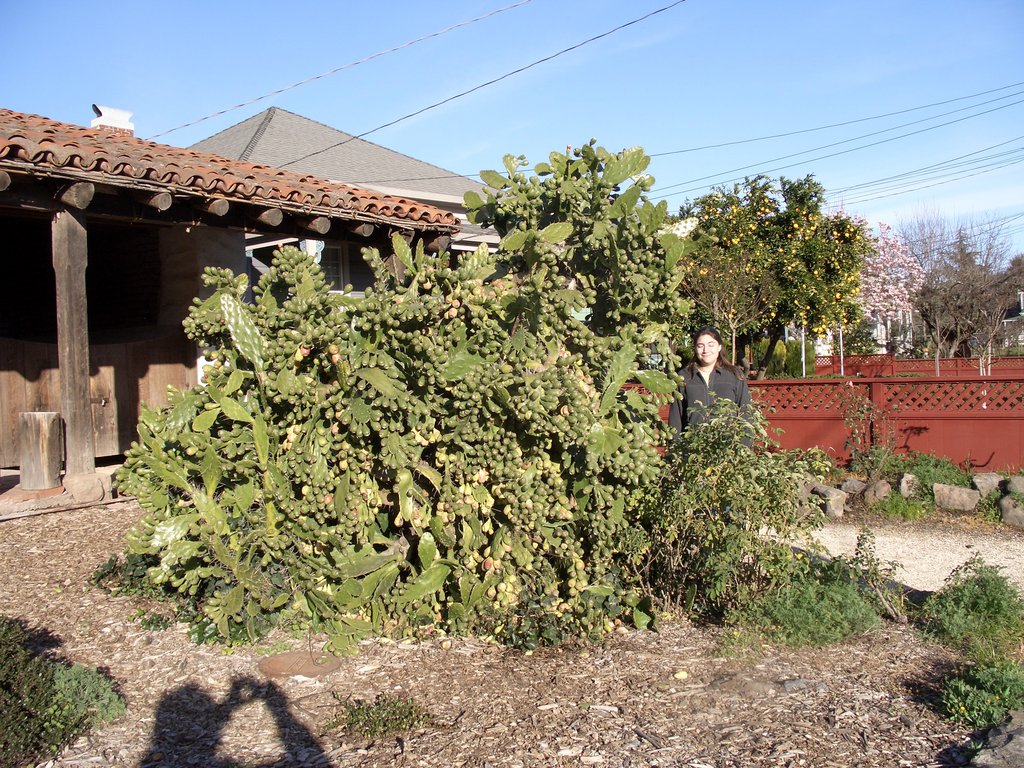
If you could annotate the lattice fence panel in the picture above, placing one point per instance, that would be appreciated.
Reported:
(804, 398)
(955, 397)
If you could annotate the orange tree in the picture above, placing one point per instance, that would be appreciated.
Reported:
(767, 256)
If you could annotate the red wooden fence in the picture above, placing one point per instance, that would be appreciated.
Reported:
(975, 420)
(887, 365)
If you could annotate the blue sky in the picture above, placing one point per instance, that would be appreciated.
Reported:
(698, 73)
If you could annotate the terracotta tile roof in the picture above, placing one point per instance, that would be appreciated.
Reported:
(30, 143)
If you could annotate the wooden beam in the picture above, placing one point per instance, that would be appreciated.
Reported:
(437, 244)
(271, 217)
(5, 180)
(319, 224)
(70, 257)
(159, 201)
(77, 195)
(216, 206)
(363, 230)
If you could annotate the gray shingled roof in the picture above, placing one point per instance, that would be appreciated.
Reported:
(280, 138)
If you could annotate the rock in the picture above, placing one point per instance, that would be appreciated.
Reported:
(986, 482)
(852, 486)
(800, 683)
(878, 490)
(1015, 484)
(955, 498)
(1004, 746)
(87, 488)
(1012, 511)
(835, 500)
(909, 485)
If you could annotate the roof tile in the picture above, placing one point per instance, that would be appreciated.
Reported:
(120, 160)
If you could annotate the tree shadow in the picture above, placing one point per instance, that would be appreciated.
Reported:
(190, 724)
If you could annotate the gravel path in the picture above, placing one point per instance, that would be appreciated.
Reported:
(928, 554)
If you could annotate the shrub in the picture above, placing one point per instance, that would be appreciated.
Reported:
(718, 528)
(795, 363)
(44, 704)
(983, 695)
(978, 611)
(457, 444)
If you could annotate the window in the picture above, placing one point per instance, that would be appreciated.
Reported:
(344, 265)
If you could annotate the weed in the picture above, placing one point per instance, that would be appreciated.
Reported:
(978, 611)
(982, 695)
(894, 505)
(988, 507)
(818, 608)
(387, 714)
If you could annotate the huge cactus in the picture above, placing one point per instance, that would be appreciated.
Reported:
(451, 452)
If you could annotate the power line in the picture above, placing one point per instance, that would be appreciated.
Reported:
(950, 163)
(837, 125)
(959, 177)
(847, 141)
(481, 86)
(351, 64)
(820, 157)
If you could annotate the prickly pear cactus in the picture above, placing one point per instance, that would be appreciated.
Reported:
(450, 453)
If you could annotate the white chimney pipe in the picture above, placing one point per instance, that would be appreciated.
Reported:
(118, 120)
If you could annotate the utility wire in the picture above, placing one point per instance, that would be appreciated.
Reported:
(860, 200)
(820, 157)
(942, 164)
(507, 75)
(837, 125)
(855, 138)
(351, 64)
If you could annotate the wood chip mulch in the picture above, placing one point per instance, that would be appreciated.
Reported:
(666, 698)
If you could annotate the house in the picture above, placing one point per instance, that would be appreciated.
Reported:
(285, 140)
(106, 237)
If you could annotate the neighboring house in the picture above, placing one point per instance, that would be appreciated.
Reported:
(285, 140)
(106, 237)
(1013, 324)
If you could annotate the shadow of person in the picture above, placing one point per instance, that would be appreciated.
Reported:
(190, 725)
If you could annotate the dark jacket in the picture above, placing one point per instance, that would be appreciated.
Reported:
(694, 398)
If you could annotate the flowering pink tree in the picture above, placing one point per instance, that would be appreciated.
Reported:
(889, 280)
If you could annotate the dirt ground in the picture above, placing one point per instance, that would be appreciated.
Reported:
(665, 698)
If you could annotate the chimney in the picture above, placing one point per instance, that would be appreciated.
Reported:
(116, 121)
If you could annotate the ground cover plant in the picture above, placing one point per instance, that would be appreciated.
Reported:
(977, 611)
(980, 613)
(45, 704)
(451, 453)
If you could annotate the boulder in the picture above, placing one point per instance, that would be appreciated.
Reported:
(1012, 511)
(1015, 485)
(852, 486)
(986, 482)
(835, 500)
(955, 498)
(909, 485)
(1004, 745)
(878, 490)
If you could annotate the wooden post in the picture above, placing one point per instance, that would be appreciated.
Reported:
(69, 261)
(41, 450)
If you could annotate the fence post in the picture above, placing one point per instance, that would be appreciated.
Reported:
(42, 450)
(876, 396)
